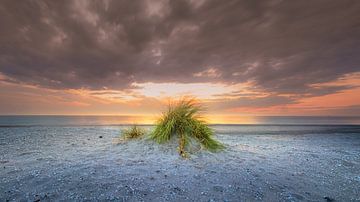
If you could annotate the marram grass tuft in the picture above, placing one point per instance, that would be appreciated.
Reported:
(133, 132)
(182, 119)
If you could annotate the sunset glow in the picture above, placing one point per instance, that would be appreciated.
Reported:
(147, 100)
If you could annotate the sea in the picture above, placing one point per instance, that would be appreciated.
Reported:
(45, 120)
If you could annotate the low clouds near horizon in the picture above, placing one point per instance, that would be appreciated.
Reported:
(284, 50)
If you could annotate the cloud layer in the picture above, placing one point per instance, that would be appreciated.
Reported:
(280, 47)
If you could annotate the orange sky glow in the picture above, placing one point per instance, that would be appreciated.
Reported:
(147, 100)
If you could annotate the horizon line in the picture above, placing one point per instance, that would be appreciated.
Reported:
(160, 114)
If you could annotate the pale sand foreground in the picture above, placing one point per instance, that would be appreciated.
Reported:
(269, 163)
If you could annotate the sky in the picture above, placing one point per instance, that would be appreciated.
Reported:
(248, 57)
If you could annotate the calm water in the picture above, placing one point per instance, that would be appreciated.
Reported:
(13, 121)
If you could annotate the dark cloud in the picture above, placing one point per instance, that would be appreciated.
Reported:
(281, 46)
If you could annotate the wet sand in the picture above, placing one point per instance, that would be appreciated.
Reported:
(264, 163)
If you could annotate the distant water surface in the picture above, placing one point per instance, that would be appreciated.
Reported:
(14, 121)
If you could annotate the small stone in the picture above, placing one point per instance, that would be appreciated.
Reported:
(100, 136)
(328, 199)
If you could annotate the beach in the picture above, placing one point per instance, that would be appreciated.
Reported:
(260, 163)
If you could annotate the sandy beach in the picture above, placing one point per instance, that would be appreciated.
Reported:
(261, 163)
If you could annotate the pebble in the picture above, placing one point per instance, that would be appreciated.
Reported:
(328, 199)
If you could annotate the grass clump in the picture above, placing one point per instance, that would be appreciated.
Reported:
(133, 133)
(183, 120)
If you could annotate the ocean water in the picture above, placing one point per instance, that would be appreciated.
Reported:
(13, 121)
(72, 158)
